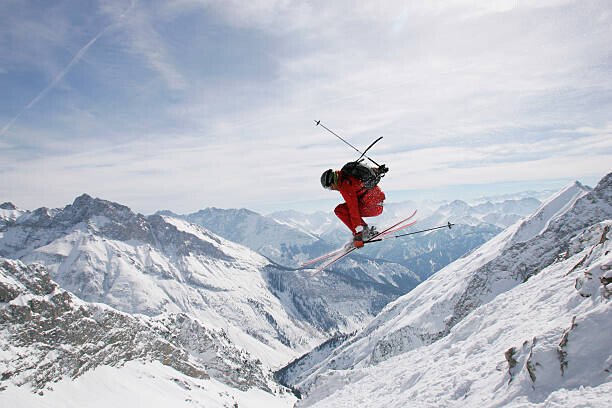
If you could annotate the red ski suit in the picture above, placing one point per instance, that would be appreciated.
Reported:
(359, 201)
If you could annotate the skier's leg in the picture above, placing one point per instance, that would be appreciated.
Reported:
(342, 212)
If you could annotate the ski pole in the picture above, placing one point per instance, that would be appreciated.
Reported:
(318, 122)
(448, 225)
(369, 147)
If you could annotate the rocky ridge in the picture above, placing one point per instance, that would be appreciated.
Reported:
(47, 333)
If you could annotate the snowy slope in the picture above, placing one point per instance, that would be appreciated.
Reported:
(140, 384)
(543, 343)
(48, 335)
(428, 313)
(551, 209)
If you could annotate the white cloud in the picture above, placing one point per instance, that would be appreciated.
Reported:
(462, 91)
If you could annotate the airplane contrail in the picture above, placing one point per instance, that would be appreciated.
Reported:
(63, 72)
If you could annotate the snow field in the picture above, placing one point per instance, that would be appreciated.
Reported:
(545, 321)
(139, 384)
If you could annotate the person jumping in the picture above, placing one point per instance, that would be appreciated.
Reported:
(358, 185)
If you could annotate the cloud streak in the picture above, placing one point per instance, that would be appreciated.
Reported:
(75, 59)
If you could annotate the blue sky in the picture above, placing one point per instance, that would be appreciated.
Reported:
(192, 103)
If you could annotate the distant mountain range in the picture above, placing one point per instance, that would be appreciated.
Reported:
(282, 243)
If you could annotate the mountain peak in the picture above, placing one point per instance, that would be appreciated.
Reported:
(458, 204)
(167, 213)
(578, 185)
(84, 197)
(8, 206)
(605, 183)
(84, 209)
(86, 205)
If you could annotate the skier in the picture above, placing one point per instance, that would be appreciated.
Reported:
(358, 185)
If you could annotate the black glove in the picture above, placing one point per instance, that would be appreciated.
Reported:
(382, 169)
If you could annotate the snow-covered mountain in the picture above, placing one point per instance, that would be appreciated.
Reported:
(48, 335)
(103, 252)
(8, 213)
(278, 241)
(475, 224)
(290, 237)
(524, 319)
(501, 214)
(425, 254)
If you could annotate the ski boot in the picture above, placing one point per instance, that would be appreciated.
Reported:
(369, 233)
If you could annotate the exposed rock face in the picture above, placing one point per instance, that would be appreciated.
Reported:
(49, 333)
(8, 206)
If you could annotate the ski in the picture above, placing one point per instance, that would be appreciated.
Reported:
(321, 258)
(394, 228)
(333, 260)
(342, 252)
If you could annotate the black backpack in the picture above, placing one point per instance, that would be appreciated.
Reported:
(369, 176)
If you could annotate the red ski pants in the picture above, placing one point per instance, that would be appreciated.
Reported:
(369, 205)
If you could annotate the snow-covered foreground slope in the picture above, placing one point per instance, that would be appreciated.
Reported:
(139, 384)
(428, 315)
(543, 343)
